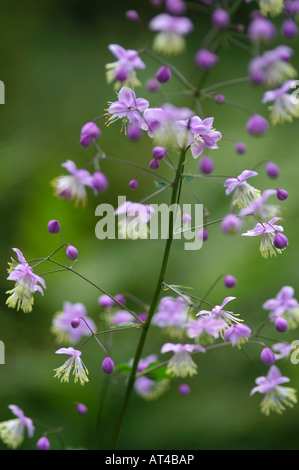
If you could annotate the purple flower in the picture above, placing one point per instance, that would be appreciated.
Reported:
(72, 186)
(235, 333)
(172, 30)
(285, 105)
(283, 350)
(80, 371)
(267, 231)
(272, 170)
(123, 70)
(26, 284)
(210, 326)
(257, 125)
(206, 165)
(198, 135)
(205, 59)
(257, 206)
(108, 365)
(128, 107)
(245, 193)
(276, 397)
(283, 302)
(272, 68)
(289, 29)
(172, 313)
(220, 18)
(145, 387)
(181, 364)
(231, 224)
(133, 219)
(163, 75)
(99, 181)
(261, 30)
(12, 431)
(218, 312)
(122, 316)
(89, 133)
(62, 323)
(43, 443)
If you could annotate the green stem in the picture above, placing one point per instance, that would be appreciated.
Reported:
(145, 328)
(234, 81)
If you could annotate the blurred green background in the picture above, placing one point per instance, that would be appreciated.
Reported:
(53, 56)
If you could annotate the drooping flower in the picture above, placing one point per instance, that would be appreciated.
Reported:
(181, 364)
(89, 133)
(162, 123)
(132, 220)
(259, 209)
(146, 387)
(74, 362)
(244, 192)
(208, 325)
(272, 67)
(73, 186)
(282, 350)
(284, 301)
(276, 397)
(267, 231)
(285, 105)
(26, 284)
(237, 334)
(172, 314)
(128, 108)
(123, 70)
(12, 431)
(218, 312)
(62, 323)
(171, 31)
(198, 134)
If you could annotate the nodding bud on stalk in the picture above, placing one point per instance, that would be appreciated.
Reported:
(229, 281)
(257, 125)
(240, 148)
(75, 322)
(99, 181)
(132, 15)
(53, 226)
(280, 241)
(184, 389)
(43, 443)
(202, 234)
(281, 194)
(164, 74)
(108, 365)
(206, 165)
(268, 357)
(158, 152)
(220, 18)
(89, 133)
(272, 170)
(71, 252)
(281, 325)
(133, 184)
(81, 409)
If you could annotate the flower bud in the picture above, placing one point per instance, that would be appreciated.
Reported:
(231, 224)
(53, 226)
(261, 30)
(81, 409)
(152, 85)
(268, 357)
(272, 170)
(281, 325)
(219, 99)
(289, 29)
(108, 365)
(71, 252)
(133, 184)
(89, 132)
(281, 194)
(202, 234)
(132, 15)
(75, 322)
(206, 165)
(164, 74)
(205, 60)
(186, 218)
(229, 281)
(280, 241)
(257, 125)
(133, 132)
(240, 148)
(121, 75)
(220, 18)
(158, 152)
(154, 164)
(120, 298)
(184, 389)
(106, 301)
(43, 443)
(99, 181)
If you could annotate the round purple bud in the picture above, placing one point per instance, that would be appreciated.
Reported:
(184, 389)
(154, 164)
(133, 132)
(281, 325)
(89, 132)
(202, 234)
(75, 322)
(152, 85)
(220, 18)
(132, 15)
(206, 165)
(272, 170)
(175, 7)
(280, 241)
(289, 29)
(261, 30)
(108, 365)
(133, 184)
(164, 74)
(219, 99)
(81, 409)
(268, 357)
(231, 224)
(186, 218)
(53, 226)
(240, 148)
(229, 281)
(99, 181)
(43, 443)
(205, 59)
(257, 125)
(71, 252)
(281, 194)
(158, 152)
(121, 75)
(106, 301)
(120, 298)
